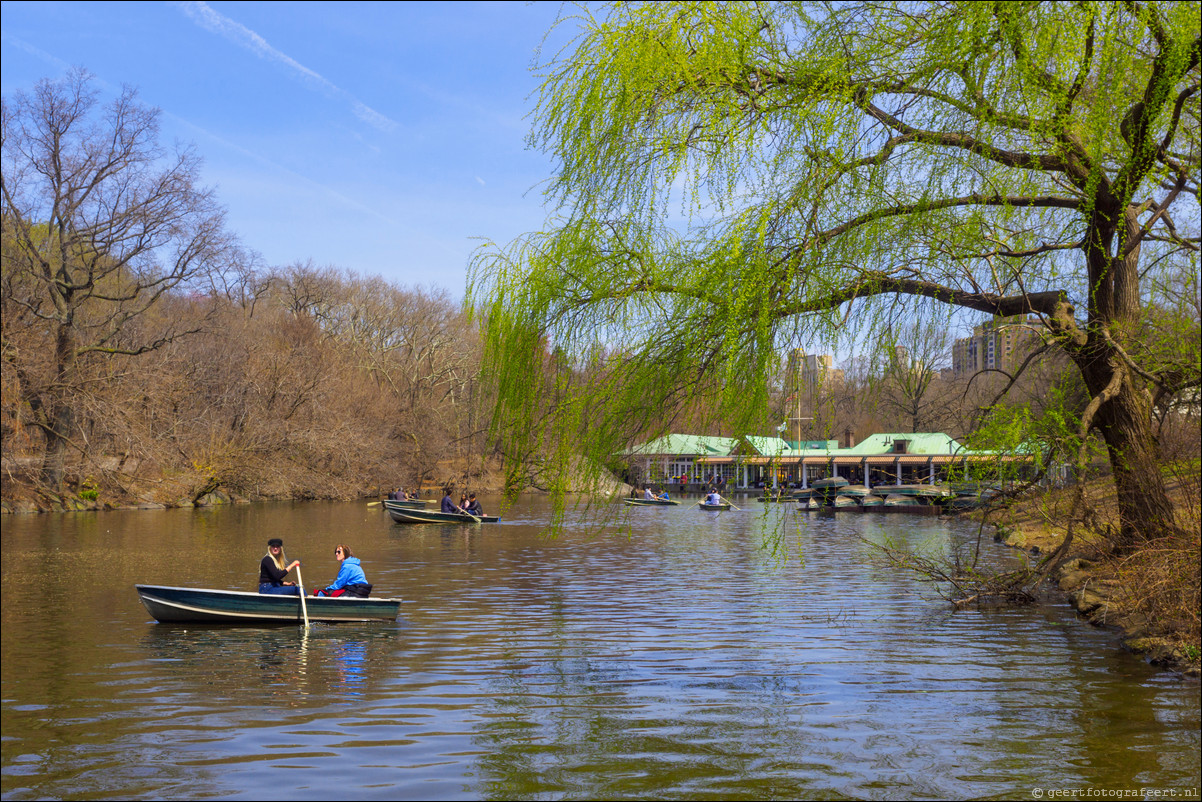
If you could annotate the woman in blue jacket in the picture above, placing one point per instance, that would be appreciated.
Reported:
(350, 580)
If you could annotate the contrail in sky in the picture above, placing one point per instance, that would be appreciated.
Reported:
(236, 32)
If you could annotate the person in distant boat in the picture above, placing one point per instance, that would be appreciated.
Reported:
(713, 499)
(351, 581)
(663, 496)
(272, 570)
(448, 505)
(647, 494)
(473, 506)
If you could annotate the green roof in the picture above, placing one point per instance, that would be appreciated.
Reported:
(685, 445)
(923, 443)
(767, 446)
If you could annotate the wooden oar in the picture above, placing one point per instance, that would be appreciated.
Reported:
(373, 503)
(731, 503)
(300, 585)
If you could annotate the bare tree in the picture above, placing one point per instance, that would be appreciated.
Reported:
(909, 361)
(99, 222)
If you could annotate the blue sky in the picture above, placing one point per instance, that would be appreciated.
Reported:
(384, 138)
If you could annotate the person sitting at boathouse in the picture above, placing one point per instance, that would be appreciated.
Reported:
(272, 570)
(351, 581)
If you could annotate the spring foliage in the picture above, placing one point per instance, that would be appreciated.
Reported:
(736, 178)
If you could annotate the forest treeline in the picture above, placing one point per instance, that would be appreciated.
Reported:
(300, 382)
(149, 357)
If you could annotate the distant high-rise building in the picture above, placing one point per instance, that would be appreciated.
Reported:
(998, 344)
(809, 374)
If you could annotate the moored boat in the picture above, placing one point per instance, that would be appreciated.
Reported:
(207, 605)
(412, 515)
(924, 493)
(828, 484)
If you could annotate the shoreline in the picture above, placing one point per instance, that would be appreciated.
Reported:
(1091, 580)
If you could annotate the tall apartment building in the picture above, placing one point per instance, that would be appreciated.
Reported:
(1001, 343)
(809, 374)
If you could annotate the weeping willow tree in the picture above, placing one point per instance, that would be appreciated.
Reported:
(734, 179)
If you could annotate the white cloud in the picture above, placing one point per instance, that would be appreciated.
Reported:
(239, 34)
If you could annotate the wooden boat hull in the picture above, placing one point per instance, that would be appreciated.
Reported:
(171, 605)
(412, 515)
(714, 507)
(643, 502)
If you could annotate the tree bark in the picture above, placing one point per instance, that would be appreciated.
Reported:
(1126, 425)
(61, 417)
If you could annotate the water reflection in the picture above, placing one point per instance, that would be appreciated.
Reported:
(674, 656)
(326, 660)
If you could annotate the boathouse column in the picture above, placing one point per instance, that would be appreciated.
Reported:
(867, 478)
(931, 467)
(897, 465)
(805, 477)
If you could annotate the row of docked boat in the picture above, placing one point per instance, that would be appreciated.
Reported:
(838, 493)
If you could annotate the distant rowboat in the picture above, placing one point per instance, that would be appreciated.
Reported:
(413, 503)
(411, 515)
(713, 507)
(650, 502)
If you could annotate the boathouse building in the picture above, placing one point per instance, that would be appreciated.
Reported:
(694, 461)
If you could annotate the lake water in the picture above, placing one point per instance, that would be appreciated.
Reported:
(669, 655)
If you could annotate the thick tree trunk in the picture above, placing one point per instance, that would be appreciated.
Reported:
(1124, 417)
(60, 410)
(1145, 512)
